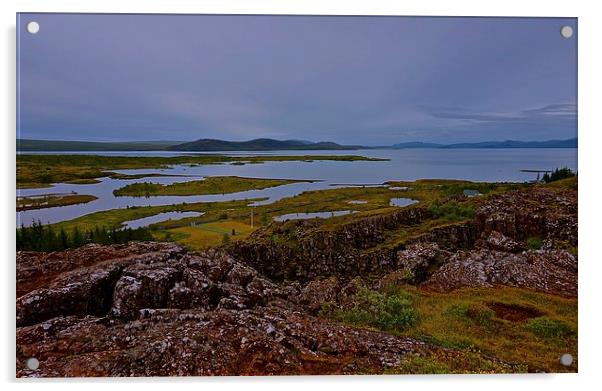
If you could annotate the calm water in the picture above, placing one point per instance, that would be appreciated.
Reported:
(313, 215)
(146, 221)
(401, 202)
(489, 165)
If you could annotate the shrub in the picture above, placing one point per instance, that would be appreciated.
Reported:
(534, 243)
(451, 210)
(387, 312)
(545, 327)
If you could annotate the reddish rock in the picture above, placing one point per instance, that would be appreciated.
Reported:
(416, 262)
(320, 291)
(500, 242)
(538, 211)
(550, 271)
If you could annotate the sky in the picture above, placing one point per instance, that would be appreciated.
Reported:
(351, 80)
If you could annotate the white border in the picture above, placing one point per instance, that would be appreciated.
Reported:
(590, 101)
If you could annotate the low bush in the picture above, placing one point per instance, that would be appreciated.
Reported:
(386, 312)
(452, 210)
(545, 327)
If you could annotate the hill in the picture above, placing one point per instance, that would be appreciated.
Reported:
(569, 143)
(55, 145)
(260, 144)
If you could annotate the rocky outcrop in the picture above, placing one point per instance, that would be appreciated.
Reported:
(534, 212)
(451, 236)
(190, 314)
(418, 261)
(306, 252)
(500, 242)
(36, 269)
(550, 271)
(168, 342)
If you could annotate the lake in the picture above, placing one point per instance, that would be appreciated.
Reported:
(485, 165)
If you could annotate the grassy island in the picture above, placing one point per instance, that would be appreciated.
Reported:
(211, 185)
(52, 200)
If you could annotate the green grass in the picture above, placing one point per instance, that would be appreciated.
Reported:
(201, 236)
(452, 211)
(548, 328)
(440, 363)
(386, 312)
(210, 185)
(464, 320)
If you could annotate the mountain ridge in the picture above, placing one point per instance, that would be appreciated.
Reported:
(267, 144)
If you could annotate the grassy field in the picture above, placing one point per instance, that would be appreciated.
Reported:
(511, 324)
(202, 236)
(115, 217)
(210, 185)
(42, 170)
(52, 200)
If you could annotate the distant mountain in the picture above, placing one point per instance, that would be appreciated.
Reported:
(265, 144)
(54, 145)
(569, 143)
(260, 144)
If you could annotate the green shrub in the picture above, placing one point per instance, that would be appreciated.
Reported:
(452, 210)
(534, 243)
(545, 327)
(386, 312)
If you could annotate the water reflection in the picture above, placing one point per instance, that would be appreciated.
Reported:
(401, 202)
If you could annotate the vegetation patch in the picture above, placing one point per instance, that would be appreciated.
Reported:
(441, 363)
(463, 320)
(534, 242)
(201, 236)
(52, 200)
(452, 210)
(549, 328)
(558, 174)
(210, 185)
(47, 238)
(386, 312)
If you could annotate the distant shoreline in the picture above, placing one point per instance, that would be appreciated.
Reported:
(258, 145)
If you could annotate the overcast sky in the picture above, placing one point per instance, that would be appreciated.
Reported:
(357, 80)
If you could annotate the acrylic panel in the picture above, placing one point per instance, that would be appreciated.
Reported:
(294, 195)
